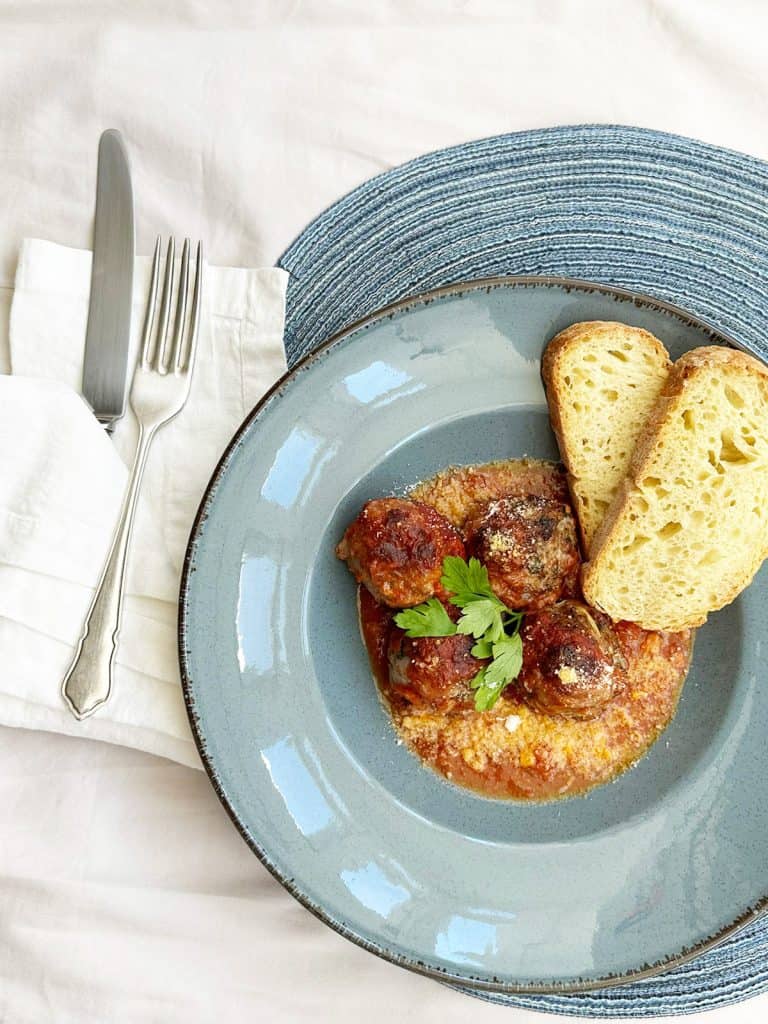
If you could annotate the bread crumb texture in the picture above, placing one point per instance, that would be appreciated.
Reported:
(688, 529)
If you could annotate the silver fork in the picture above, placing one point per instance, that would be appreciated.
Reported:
(160, 388)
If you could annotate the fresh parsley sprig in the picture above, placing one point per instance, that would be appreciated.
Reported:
(507, 660)
(495, 628)
(427, 619)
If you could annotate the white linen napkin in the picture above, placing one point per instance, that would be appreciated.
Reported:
(62, 480)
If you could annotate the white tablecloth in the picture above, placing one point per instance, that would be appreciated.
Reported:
(125, 894)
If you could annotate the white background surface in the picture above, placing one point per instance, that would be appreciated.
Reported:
(125, 894)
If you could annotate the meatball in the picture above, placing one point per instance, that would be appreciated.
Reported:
(396, 548)
(572, 662)
(528, 545)
(433, 672)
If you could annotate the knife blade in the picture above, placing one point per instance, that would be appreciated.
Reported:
(107, 338)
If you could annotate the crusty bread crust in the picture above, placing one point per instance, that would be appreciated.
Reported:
(573, 334)
(554, 370)
(598, 589)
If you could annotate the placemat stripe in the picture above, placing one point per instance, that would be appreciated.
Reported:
(679, 219)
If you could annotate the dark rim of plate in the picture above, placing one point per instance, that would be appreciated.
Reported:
(572, 986)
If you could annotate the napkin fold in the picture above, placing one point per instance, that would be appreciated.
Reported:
(62, 480)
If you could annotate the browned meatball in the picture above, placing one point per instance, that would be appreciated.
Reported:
(433, 672)
(572, 662)
(396, 548)
(528, 545)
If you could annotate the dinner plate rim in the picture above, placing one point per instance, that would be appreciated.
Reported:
(452, 978)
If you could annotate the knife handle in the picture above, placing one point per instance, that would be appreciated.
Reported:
(88, 682)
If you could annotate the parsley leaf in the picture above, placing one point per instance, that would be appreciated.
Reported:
(477, 681)
(487, 695)
(427, 619)
(495, 630)
(486, 692)
(467, 581)
(479, 617)
(507, 660)
(482, 649)
(493, 678)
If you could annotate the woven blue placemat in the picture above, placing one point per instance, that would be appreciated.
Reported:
(657, 213)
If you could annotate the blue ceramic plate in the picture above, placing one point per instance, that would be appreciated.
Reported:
(638, 875)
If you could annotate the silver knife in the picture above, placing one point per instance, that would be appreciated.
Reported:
(108, 335)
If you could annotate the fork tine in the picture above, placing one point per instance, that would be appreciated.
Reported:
(165, 309)
(194, 316)
(181, 310)
(147, 348)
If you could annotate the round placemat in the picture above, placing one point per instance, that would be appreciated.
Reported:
(656, 213)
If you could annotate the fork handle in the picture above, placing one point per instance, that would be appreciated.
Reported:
(88, 681)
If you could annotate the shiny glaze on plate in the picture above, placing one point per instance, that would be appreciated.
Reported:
(570, 895)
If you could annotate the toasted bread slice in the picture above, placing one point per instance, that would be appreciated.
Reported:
(688, 527)
(602, 379)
